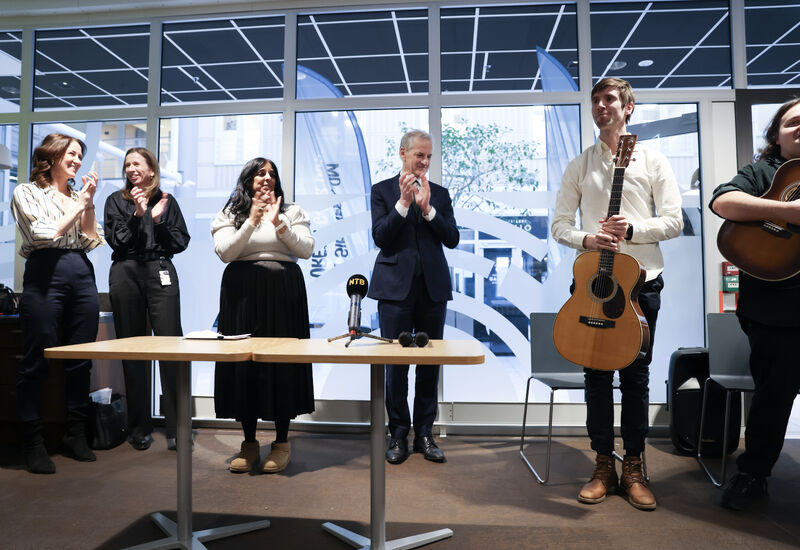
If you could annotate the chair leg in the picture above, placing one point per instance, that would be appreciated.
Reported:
(540, 479)
(717, 482)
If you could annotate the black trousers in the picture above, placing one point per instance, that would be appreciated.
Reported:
(137, 295)
(634, 385)
(59, 306)
(776, 373)
(417, 313)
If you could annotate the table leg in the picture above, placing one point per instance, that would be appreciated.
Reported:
(377, 481)
(181, 535)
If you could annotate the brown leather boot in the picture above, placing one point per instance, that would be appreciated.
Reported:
(633, 483)
(604, 479)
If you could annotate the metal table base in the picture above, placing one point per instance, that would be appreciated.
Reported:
(377, 468)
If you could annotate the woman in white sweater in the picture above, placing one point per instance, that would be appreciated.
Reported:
(263, 293)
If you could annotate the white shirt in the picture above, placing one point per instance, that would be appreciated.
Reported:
(651, 202)
(37, 213)
(262, 242)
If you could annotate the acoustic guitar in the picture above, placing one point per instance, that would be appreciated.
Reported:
(601, 326)
(767, 249)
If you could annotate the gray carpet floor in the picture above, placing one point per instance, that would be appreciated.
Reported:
(484, 493)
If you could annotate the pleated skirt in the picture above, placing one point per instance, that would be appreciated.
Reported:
(268, 299)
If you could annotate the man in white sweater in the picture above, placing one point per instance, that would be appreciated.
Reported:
(650, 211)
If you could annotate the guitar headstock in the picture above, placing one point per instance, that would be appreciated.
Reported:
(624, 150)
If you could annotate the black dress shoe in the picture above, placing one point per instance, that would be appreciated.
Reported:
(427, 446)
(397, 451)
(140, 442)
(743, 491)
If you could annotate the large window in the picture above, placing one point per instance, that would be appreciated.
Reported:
(91, 67)
(9, 146)
(106, 143)
(363, 53)
(662, 44)
(772, 31)
(338, 156)
(222, 60)
(508, 48)
(10, 54)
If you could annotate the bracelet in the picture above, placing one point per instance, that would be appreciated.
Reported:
(281, 226)
(89, 208)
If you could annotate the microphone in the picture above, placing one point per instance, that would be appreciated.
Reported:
(357, 289)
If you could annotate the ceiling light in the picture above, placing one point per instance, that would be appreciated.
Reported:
(64, 85)
(617, 65)
(645, 62)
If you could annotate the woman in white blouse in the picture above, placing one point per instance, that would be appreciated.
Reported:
(263, 293)
(58, 226)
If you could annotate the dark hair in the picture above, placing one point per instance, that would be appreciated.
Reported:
(772, 149)
(622, 86)
(242, 197)
(48, 154)
(152, 163)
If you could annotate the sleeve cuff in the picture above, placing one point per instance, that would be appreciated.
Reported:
(430, 215)
(402, 210)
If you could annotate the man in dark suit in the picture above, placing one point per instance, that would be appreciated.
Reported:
(411, 219)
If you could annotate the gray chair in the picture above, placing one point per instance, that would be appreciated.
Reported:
(551, 369)
(728, 366)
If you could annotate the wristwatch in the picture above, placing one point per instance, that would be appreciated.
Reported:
(629, 233)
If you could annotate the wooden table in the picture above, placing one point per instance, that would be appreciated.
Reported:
(283, 350)
(173, 348)
(376, 354)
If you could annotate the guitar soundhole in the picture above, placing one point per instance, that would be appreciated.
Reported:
(602, 287)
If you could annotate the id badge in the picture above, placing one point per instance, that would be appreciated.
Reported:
(165, 280)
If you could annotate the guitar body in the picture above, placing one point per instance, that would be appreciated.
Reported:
(601, 326)
(770, 249)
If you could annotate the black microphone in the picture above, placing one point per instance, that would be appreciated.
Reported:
(356, 288)
(421, 339)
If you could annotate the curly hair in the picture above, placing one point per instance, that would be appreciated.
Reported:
(152, 163)
(48, 154)
(772, 149)
(242, 197)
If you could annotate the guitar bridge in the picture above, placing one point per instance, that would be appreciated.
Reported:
(774, 229)
(595, 322)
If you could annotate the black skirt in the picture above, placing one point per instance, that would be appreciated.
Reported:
(267, 299)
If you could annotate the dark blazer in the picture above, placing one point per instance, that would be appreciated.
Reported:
(398, 238)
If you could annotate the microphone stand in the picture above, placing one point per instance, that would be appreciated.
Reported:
(358, 333)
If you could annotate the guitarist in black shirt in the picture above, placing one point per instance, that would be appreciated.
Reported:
(767, 309)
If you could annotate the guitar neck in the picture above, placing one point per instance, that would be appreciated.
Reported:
(616, 191)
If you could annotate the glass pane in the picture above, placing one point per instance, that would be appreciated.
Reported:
(9, 151)
(339, 155)
(761, 116)
(200, 160)
(10, 55)
(364, 53)
(91, 67)
(106, 143)
(772, 33)
(673, 130)
(222, 60)
(510, 48)
(662, 44)
(503, 166)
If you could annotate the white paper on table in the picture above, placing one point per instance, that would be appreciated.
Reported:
(212, 335)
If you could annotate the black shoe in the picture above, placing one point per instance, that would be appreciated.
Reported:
(743, 490)
(140, 442)
(397, 451)
(38, 460)
(78, 448)
(427, 446)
